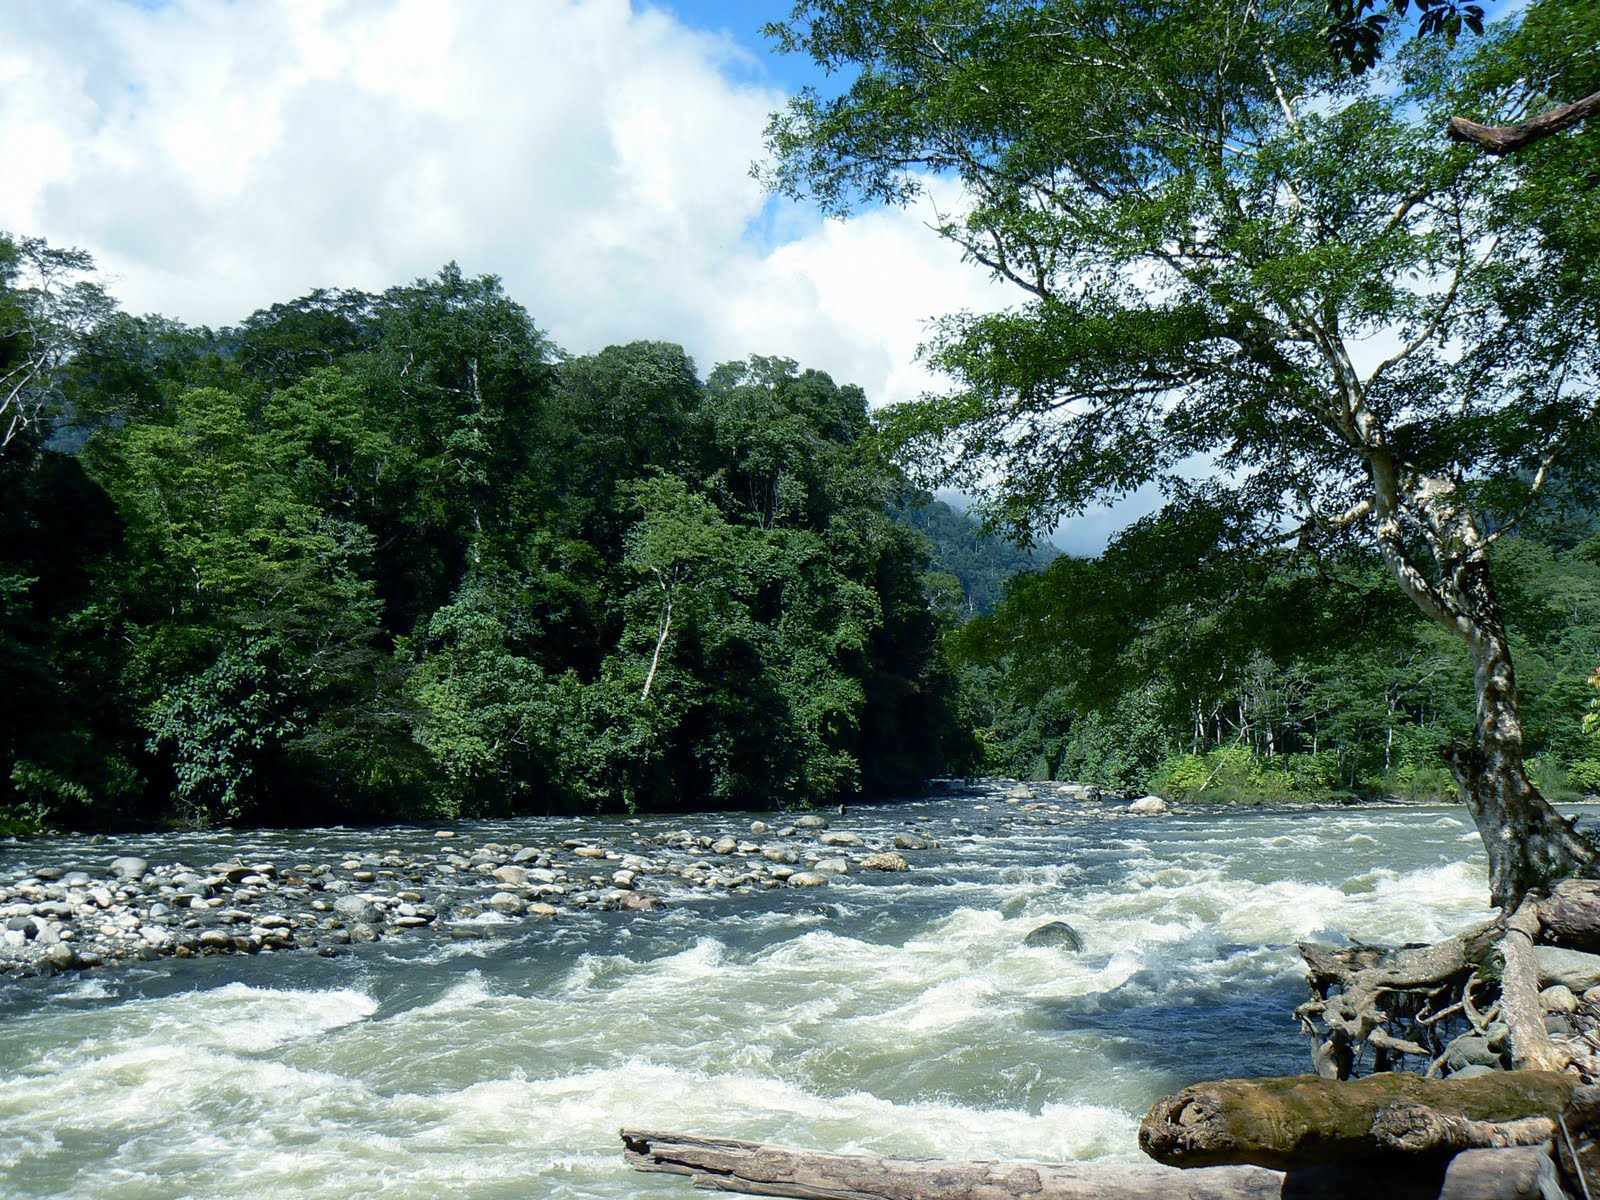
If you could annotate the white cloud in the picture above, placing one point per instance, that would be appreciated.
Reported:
(219, 155)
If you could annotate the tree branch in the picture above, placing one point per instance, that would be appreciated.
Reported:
(1503, 139)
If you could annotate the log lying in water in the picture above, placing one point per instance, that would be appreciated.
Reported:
(755, 1169)
(1303, 1120)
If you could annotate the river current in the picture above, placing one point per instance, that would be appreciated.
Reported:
(885, 1013)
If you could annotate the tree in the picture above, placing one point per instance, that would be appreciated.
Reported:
(1228, 251)
(48, 303)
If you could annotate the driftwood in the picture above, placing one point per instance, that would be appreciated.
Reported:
(1303, 1120)
(751, 1168)
(755, 1169)
(1374, 1009)
(1391, 1000)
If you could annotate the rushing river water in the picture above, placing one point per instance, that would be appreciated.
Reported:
(887, 1013)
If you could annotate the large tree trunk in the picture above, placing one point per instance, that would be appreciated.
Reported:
(1530, 845)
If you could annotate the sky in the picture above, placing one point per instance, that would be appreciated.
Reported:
(217, 156)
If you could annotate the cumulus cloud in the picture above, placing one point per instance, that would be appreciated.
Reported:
(219, 155)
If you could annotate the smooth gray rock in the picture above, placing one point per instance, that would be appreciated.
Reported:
(1470, 1050)
(840, 839)
(1572, 969)
(1148, 806)
(1054, 933)
(725, 845)
(811, 821)
(128, 868)
(356, 909)
(831, 866)
(808, 879)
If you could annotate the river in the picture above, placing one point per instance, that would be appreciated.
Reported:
(886, 1013)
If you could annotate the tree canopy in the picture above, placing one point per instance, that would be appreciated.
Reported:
(1245, 276)
(372, 556)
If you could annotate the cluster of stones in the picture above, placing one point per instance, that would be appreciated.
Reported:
(58, 919)
(1109, 804)
(1570, 997)
(769, 858)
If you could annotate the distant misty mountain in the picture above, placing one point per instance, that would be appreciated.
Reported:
(980, 560)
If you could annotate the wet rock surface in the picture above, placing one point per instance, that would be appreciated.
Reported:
(111, 905)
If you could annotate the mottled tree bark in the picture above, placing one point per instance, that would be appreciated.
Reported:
(1530, 846)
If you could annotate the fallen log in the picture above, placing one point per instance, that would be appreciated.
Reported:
(757, 1169)
(1302, 1120)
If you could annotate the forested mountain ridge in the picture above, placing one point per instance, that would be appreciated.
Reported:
(981, 562)
(373, 556)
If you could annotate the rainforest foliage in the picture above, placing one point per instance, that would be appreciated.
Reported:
(372, 556)
(1242, 683)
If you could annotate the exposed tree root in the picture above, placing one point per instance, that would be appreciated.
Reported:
(1470, 1000)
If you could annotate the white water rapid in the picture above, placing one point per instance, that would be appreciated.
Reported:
(886, 1013)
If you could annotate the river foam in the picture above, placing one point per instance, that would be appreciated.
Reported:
(890, 1014)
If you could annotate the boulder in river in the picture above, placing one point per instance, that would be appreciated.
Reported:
(811, 821)
(354, 909)
(840, 839)
(1054, 933)
(888, 860)
(1148, 806)
(129, 867)
(808, 879)
(505, 902)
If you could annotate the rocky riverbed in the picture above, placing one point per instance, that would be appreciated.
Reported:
(91, 913)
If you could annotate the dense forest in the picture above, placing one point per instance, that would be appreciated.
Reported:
(372, 556)
(1241, 682)
(365, 557)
